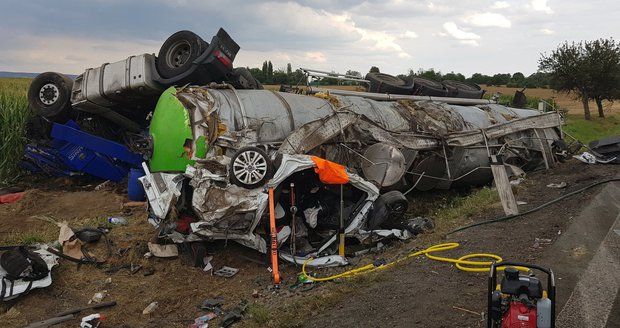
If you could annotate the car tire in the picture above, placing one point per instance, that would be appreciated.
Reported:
(49, 96)
(392, 205)
(385, 83)
(463, 90)
(426, 87)
(178, 53)
(250, 167)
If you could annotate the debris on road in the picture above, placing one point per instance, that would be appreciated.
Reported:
(560, 185)
(226, 272)
(150, 308)
(159, 250)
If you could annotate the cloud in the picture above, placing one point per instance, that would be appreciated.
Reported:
(318, 57)
(464, 37)
(546, 31)
(488, 19)
(541, 5)
(500, 5)
(409, 35)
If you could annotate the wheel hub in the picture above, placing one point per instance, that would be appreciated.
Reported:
(250, 167)
(179, 54)
(49, 94)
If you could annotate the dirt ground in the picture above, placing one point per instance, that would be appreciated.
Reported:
(418, 293)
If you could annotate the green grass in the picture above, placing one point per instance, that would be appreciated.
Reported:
(594, 129)
(466, 206)
(14, 113)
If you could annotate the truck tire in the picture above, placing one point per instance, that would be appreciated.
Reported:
(426, 87)
(463, 90)
(385, 83)
(49, 96)
(243, 79)
(178, 53)
(250, 167)
(390, 206)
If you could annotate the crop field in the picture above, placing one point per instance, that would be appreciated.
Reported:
(562, 100)
(14, 113)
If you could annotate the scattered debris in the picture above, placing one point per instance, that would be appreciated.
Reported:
(150, 308)
(234, 315)
(51, 321)
(159, 250)
(420, 224)
(226, 272)
(520, 202)
(92, 321)
(118, 220)
(11, 198)
(212, 304)
(98, 297)
(590, 158)
(466, 310)
(608, 148)
(560, 185)
(23, 269)
(202, 321)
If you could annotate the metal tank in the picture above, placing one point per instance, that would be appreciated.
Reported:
(441, 143)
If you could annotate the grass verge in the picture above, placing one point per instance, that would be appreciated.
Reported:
(594, 129)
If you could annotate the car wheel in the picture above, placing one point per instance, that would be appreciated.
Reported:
(463, 90)
(385, 83)
(426, 87)
(178, 53)
(392, 205)
(49, 96)
(250, 167)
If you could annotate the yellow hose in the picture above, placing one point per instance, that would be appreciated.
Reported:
(462, 263)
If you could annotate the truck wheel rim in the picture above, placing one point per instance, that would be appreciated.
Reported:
(250, 167)
(178, 54)
(48, 94)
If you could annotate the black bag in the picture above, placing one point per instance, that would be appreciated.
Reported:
(22, 263)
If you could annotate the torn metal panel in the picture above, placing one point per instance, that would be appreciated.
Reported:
(162, 190)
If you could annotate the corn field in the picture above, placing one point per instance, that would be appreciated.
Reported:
(14, 113)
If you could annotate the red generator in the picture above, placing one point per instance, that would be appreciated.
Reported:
(520, 301)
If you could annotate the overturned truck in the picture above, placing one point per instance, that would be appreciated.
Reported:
(214, 150)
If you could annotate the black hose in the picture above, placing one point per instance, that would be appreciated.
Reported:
(512, 216)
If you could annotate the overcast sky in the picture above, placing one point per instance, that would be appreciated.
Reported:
(465, 36)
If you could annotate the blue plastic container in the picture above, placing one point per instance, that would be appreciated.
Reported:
(135, 190)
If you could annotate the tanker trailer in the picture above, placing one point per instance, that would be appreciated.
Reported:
(393, 142)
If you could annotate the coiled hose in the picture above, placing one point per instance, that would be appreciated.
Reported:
(462, 263)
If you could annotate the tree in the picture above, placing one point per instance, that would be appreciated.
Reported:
(429, 74)
(289, 69)
(353, 73)
(374, 69)
(270, 71)
(568, 71)
(265, 68)
(590, 69)
(603, 58)
(454, 77)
